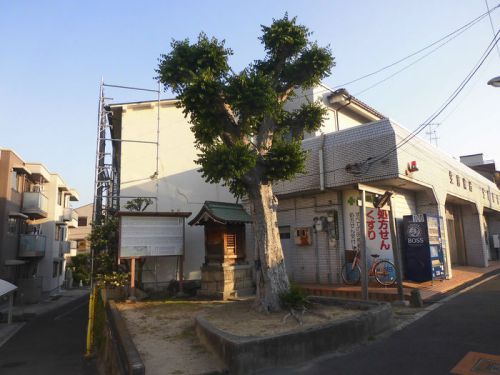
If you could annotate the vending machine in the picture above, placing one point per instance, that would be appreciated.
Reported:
(423, 252)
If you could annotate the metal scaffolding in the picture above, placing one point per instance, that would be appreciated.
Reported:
(106, 180)
(104, 176)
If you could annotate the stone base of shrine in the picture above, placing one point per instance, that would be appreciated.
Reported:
(223, 281)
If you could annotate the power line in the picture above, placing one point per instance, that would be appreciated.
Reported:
(449, 36)
(467, 25)
(491, 23)
(447, 102)
(414, 62)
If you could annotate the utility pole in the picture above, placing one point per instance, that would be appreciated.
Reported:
(432, 134)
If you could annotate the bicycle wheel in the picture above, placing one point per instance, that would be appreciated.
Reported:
(350, 275)
(385, 273)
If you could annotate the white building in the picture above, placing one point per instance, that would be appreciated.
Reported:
(178, 186)
(372, 156)
(358, 148)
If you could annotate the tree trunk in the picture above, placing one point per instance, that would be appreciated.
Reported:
(271, 276)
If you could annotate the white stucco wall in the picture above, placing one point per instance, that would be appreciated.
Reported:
(178, 187)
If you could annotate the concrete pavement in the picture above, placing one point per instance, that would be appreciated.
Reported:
(21, 314)
(50, 344)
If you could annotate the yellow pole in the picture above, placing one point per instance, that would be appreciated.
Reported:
(90, 325)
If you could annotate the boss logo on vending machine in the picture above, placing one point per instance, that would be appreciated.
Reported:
(415, 235)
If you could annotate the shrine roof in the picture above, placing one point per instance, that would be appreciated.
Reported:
(222, 213)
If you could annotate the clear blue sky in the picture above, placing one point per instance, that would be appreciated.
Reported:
(54, 53)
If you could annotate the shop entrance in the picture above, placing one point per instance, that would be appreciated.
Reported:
(455, 229)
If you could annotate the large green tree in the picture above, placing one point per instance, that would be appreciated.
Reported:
(246, 139)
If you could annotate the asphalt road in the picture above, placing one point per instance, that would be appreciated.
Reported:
(51, 344)
(431, 345)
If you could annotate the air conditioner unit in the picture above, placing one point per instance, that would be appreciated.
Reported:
(302, 236)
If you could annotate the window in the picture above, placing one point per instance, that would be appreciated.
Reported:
(230, 243)
(60, 232)
(450, 173)
(82, 221)
(59, 197)
(464, 183)
(458, 180)
(55, 268)
(16, 181)
(470, 186)
(60, 268)
(13, 180)
(12, 225)
(284, 232)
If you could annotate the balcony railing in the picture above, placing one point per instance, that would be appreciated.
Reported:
(71, 216)
(35, 204)
(32, 245)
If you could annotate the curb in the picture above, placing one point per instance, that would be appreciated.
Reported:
(245, 355)
(441, 296)
(130, 359)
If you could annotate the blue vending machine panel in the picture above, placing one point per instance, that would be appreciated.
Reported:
(423, 254)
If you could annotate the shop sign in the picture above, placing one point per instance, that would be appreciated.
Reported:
(378, 234)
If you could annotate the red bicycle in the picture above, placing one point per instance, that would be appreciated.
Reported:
(384, 271)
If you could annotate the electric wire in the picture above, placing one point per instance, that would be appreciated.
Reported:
(413, 62)
(447, 102)
(449, 36)
(491, 24)
(467, 25)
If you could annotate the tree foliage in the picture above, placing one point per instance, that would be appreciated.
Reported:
(244, 135)
(104, 242)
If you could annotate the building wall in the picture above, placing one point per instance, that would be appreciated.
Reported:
(424, 191)
(346, 147)
(40, 268)
(53, 274)
(81, 233)
(10, 201)
(178, 187)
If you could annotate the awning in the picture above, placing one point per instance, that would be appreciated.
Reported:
(6, 287)
(21, 169)
(18, 215)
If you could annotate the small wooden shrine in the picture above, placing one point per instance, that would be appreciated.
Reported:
(225, 272)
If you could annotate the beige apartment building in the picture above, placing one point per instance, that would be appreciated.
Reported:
(35, 213)
(78, 236)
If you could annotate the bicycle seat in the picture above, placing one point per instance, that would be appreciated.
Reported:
(375, 255)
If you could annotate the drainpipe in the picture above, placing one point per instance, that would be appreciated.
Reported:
(321, 163)
(364, 260)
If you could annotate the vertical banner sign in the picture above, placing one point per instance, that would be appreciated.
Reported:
(378, 235)
(352, 223)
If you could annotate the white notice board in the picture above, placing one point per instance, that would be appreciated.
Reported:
(142, 236)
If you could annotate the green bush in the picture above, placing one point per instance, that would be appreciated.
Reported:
(295, 298)
(80, 265)
(113, 280)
